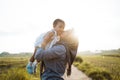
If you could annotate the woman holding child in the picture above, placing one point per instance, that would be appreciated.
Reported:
(60, 55)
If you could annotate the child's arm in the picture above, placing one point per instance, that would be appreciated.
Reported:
(47, 38)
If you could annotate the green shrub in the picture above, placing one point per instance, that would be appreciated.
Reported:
(84, 67)
(78, 59)
(76, 64)
(94, 72)
(98, 74)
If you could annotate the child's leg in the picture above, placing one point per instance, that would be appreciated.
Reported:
(32, 58)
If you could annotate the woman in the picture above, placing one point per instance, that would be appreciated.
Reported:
(50, 38)
(56, 58)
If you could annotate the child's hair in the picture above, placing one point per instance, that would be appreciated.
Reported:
(56, 22)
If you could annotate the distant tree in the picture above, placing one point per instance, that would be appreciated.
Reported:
(119, 50)
(5, 53)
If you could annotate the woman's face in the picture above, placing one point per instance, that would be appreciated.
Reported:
(66, 34)
(59, 28)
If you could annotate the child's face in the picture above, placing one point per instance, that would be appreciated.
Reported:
(59, 28)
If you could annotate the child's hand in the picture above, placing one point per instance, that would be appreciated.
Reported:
(32, 59)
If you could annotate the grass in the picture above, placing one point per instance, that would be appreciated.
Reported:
(14, 68)
(98, 67)
(96, 64)
(15, 74)
(110, 63)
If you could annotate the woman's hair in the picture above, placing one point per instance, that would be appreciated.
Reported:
(71, 40)
(56, 22)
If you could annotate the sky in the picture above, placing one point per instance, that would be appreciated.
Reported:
(96, 22)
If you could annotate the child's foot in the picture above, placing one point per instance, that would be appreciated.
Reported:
(29, 68)
(34, 66)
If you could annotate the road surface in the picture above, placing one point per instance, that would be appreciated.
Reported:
(77, 75)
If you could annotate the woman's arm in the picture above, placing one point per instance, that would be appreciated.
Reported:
(51, 53)
(47, 39)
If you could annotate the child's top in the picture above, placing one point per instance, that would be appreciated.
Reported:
(40, 39)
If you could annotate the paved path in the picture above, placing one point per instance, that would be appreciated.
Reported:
(77, 75)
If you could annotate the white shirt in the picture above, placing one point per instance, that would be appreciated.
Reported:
(40, 39)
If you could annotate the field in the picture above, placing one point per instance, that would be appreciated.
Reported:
(14, 68)
(98, 67)
(109, 63)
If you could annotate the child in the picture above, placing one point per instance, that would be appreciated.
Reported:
(50, 38)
